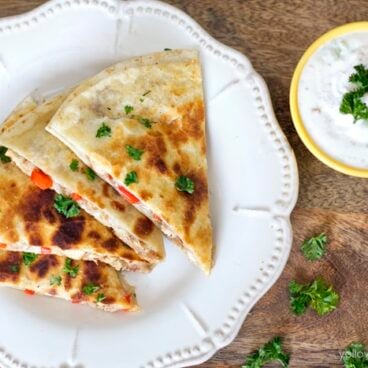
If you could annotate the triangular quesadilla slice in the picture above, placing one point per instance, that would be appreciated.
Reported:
(97, 285)
(41, 221)
(140, 125)
(51, 164)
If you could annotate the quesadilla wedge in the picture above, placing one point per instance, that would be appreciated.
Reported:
(29, 221)
(51, 164)
(140, 125)
(97, 285)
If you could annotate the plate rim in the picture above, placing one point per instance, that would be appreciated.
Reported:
(229, 329)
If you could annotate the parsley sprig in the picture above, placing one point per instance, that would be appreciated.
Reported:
(69, 269)
(355, 356)
(269, 352)
(317, 295)
(184, 184)
(55, 280)
(133, 152)
(3, 157)
(91, 175)
(66, 206)
(90, 288)
(131, 178)
(352, 101)
(315, 247)
(29, 258)
(103, 131)
(100, 297)
(74, 165)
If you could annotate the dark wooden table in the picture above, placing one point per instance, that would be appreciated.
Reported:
(274, 34)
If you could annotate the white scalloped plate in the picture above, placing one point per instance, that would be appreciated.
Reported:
(187, 316)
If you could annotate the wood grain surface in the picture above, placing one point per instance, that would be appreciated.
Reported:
(274, 34)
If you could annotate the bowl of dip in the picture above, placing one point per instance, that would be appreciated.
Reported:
(320, 84)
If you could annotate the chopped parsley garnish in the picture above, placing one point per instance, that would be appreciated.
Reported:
(100, 297)
(90, 288)
(133, 152)
(315, 247)
(66, 206)
(69, 269)
(141, 99)
(167, 49)
(14, 268)
(3, 157)
(355, 356)
(269, 352)
(74, 165)
(146, 93)
(55, 280)
(128, 109)
(91, 175)
(103, 131)
(317, 295)
(130, 178)
(352, 101)
(144, 121)
(184, 184)
(29, 258)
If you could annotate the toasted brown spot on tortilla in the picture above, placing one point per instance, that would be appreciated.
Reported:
(143, 226)
(92, 273)
(106, 190)
(67, 281)
(159, 164)
(109, 300)
(34, 202)
(94, 235)
(49, 215)
(177, 169)
(118, 206)
(7, 263)
(43, 265)
(69, 233)
(110, 244)
(145, 195)
(35, 239)
(193, 116)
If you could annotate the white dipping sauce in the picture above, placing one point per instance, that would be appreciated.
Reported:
(323, 82)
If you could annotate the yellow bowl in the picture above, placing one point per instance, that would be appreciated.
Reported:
(294, 105)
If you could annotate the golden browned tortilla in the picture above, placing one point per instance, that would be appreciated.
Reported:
(152, 103)
(97, 285)
(32, 148)
(30, 222)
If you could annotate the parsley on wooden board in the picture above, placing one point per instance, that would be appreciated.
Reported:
(269, 352)
(317, 295)
(69, 269)
(3, 157)
(130, 178)
(184, 184)
(315, 247)
(103, 131)
(55, 280)
(355, 356)
(133, 152)
(74, 165)
(352, 101)
(66, 206)
(29, 258)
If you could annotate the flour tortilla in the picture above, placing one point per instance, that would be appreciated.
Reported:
(165, 91)
(29, 222)
(31, 146)
(46, 272)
